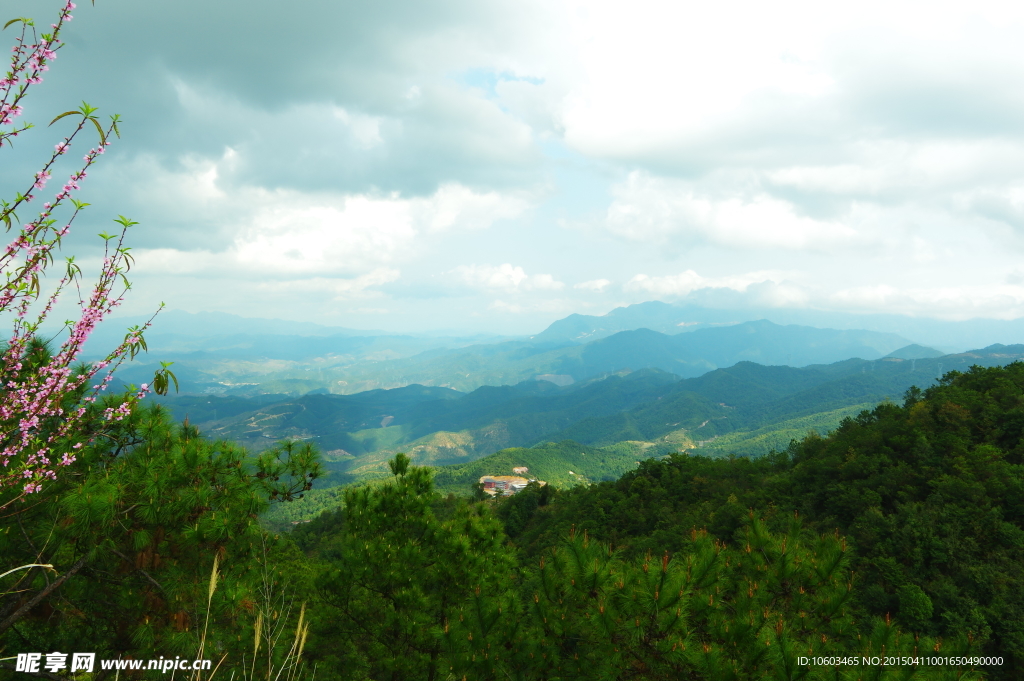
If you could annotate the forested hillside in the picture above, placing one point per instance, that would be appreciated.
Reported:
(745, 384)
(744, 409)
(563, 465)
(930, 495)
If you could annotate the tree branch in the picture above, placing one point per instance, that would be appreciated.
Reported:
(144, 573)
(34, 601)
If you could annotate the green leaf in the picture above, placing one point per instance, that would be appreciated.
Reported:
(14, 21)
(162, 379)
(99, 129)
(66, 113)
(140, 344)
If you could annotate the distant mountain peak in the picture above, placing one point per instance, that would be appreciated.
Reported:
(915, 351)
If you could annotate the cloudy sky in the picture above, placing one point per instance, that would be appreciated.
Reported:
(494, 166)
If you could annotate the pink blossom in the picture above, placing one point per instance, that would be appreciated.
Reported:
(32, 405)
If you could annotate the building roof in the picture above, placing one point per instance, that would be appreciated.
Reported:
(503, 478)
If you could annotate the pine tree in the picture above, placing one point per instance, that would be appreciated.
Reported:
(405, 565)
(136, 524)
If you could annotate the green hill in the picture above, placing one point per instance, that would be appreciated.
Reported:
(564, 464)
(915, 351)
(929, 494)
(778, 436)
(440, 426)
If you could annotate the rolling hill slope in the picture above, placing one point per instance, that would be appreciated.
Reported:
(437, 426)
(745, 410)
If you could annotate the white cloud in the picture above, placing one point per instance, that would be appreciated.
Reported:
(332, 288)
(505, 277)
(502, 306)
(903, 171)
(784, 290)
(665, 72)
(544, 282)
(684, 283)
(875, 164)
(364, 129)
(454, 206)
(596, 285)
(665, 79)
(655, 209)
(288, 233)
(344, 235)
(954, 302)
(551, 307)
(1002, 204)
(486, 276)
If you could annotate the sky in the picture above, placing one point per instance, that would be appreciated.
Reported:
(492, 166)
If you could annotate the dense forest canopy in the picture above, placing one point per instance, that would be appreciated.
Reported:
(930, 496)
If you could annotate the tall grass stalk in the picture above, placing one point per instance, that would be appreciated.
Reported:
(26, 567)
(209, 607)
(273, 612)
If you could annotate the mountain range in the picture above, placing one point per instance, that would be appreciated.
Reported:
(346, 364)
(727, 410)
(640, 381)
(577, 434)
(949, 336)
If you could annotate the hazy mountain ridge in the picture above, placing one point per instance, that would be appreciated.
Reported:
(915, 351)
(452, 405)
(695, 353)
(745, 410)
(950, 336)
(228, 354)
(511, 362)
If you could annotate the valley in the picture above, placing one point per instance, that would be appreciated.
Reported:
(598, 428)
(586, 395)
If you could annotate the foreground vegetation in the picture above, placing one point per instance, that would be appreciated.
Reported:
(901, 533)
(131, 533)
